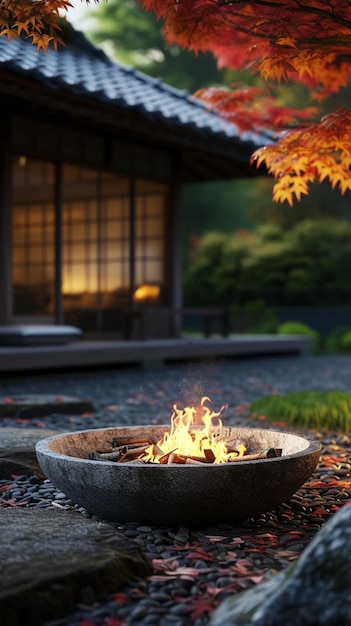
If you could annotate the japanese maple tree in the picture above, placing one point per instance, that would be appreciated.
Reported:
(308, 41)
(284, 40)
(37, 19)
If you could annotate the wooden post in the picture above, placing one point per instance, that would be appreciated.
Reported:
(6, 290)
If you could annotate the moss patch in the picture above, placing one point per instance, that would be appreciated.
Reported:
(309, 409)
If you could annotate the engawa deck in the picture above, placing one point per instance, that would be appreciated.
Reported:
(84, 353)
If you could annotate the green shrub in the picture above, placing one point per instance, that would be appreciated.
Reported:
(330, 410)
(299, 328)
(303, 266)
(267, 325)
(253, 317)
(345, 342)
(333, 342)
(296, 328)
(265, 322)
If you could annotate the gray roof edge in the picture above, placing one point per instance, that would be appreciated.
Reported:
(81, 48)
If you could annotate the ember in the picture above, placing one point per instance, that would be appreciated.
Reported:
(194, 439)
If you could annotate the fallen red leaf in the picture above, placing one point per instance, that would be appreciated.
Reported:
(290, 555)
(201, 607)
(318, 512)
(162, 565)
(330, 460)
(201, 554)
(214, 538)
(120, 597)
(236, 541)
(5, 487)
(114, 621)
(184, 548)
(257, 578)
(241, 407)
(11, 502)
(230, 556)
(243, 567)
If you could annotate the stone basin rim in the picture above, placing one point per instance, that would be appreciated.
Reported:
(43, 446)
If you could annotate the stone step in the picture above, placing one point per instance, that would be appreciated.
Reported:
(40, 405)
(52, 560)
(17, 450)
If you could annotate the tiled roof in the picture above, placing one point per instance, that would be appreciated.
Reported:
(82, 69)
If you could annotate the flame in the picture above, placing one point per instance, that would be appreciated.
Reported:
(190, 436)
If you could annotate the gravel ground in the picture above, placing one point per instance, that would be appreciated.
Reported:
(193, 570)
(137, 396)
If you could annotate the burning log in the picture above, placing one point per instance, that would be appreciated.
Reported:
(129, 440)
(134, 453)
(121, 453)
(111, 456)
(143, 450)
(173, 458)
(210, 456)
(93, 456)
(134, 462)
(181, 459)
(124, 453)
(157, 452)
(255, 456)
(165, 458)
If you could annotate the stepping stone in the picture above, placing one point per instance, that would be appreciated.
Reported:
(52, 560)
(40, 405)
(17, 450)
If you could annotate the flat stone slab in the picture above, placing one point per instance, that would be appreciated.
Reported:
(40, 405)
(17, 450)
(52, 560)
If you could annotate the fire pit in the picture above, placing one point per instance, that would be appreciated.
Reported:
(94, 469)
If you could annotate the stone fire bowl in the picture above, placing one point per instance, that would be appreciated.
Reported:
(193, 495)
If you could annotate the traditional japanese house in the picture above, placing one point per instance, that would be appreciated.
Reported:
(93, 156)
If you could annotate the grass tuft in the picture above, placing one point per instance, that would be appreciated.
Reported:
(330, 410)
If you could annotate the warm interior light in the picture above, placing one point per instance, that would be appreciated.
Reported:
(147, 292)
(191, 436)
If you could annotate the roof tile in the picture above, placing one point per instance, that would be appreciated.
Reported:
(81, 68)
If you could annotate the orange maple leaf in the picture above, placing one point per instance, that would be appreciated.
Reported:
(320, 152)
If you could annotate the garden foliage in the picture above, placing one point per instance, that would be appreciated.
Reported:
(307, 265)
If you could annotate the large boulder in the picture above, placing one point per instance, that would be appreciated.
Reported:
(314, 591)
